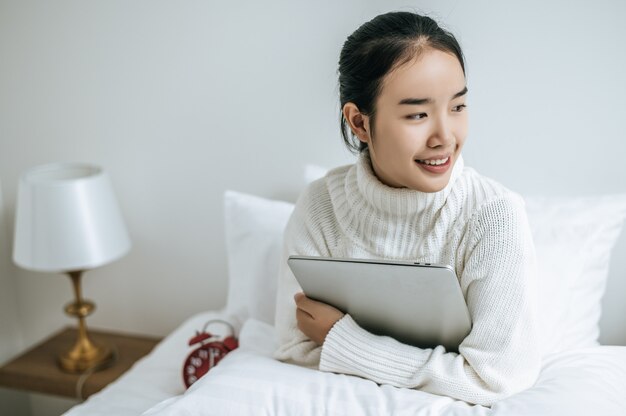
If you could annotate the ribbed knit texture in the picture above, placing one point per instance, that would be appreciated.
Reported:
(474, 224)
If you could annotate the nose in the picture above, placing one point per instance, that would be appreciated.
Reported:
(441, 135)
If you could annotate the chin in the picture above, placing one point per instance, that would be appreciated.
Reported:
(430, 188)
(433, 190)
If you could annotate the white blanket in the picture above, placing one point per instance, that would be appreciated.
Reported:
(249, 382)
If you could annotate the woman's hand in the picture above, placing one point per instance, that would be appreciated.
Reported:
(315, 318)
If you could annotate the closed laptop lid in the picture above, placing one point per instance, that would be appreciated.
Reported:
(419, 304)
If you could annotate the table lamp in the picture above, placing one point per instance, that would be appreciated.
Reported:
(68, 221)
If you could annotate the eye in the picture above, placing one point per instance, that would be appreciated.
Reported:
(416, 116)
(459, 108)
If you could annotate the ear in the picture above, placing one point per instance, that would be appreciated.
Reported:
(358, 122)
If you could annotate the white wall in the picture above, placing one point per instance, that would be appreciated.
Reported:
(182, 100)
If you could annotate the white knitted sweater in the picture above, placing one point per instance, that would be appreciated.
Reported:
(474, 224)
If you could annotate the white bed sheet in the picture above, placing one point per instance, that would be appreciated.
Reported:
(249, 382)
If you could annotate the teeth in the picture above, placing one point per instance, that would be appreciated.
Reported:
(434, 162)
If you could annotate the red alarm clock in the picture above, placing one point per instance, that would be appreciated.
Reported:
(208, 354)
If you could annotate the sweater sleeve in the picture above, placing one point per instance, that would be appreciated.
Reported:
(301, 237)
(499, 357)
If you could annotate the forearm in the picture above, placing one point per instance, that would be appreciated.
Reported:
(477, 374)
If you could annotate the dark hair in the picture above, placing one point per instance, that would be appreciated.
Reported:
(377, 47)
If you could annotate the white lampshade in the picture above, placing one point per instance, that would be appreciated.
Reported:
(67, 218)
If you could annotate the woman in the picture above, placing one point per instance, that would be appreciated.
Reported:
(410, 197)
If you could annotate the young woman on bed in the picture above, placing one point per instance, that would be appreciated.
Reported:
(403, 92)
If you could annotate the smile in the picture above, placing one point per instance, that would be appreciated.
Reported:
(434, 161)
(438, 166)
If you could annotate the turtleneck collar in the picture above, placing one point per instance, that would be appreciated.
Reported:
(388, 222)
(400, 201)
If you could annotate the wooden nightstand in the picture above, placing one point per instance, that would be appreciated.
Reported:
(36, 370)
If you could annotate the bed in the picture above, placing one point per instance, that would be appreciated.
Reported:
(574, 238)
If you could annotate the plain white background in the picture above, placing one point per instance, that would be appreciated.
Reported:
(181, 100)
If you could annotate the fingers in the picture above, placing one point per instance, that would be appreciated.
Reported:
(304, 303)
(313, 307)
(315, 319)
(301, 312)
(302, 315)
(304, 321)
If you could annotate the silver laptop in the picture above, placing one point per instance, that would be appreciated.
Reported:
(420, 304)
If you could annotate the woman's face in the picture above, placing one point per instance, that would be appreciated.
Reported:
(420, 115)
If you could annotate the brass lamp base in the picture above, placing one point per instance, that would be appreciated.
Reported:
(82, 358)
(84, 355)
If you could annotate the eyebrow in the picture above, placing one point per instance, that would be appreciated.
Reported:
(419, 101)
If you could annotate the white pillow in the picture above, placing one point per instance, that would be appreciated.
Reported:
(573, 238)
(254, 232)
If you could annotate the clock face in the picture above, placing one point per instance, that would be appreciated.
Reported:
(199, 362)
